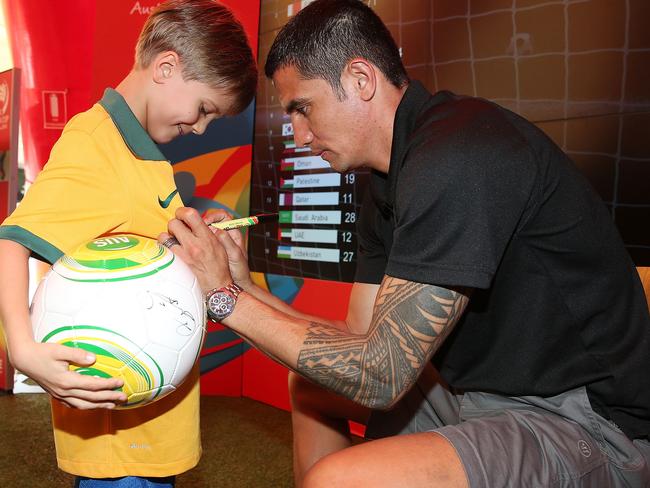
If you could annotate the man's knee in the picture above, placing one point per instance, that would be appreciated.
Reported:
(330, 471)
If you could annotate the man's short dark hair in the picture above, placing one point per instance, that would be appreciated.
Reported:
(326, 34)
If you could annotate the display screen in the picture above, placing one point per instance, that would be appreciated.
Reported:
(318, 208)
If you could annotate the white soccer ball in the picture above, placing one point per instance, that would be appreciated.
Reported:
(132, 303)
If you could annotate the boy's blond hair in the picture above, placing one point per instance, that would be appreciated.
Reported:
(210, 42)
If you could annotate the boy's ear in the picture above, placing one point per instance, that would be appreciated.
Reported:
(164, 66)
(363, 76)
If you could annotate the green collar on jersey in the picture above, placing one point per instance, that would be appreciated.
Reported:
(134, 135)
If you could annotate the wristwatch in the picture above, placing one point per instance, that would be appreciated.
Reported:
(220, 302)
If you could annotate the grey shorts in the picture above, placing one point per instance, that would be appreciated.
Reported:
(521, 441)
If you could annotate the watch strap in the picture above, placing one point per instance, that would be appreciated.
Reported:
(233, 289)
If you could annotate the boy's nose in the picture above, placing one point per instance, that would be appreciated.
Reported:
(199, 127)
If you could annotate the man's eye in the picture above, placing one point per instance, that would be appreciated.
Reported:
(302, 110)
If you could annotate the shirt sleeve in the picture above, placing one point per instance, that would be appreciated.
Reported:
(76, 197)
(459, 202)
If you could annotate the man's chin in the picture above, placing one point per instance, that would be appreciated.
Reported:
(339, 166)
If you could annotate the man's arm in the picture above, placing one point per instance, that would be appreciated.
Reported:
(358, 319)
(373, 366)
(409, 322)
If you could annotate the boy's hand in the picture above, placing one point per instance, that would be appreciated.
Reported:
(47, 364)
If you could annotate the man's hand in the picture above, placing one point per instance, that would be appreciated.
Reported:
(199, 248)
(48, 365)
(235, 246)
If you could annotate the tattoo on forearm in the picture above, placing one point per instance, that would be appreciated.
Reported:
(410, 321)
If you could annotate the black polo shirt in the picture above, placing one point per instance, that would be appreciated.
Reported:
(478, 197)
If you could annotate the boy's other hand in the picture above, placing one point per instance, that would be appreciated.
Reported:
(48, 365)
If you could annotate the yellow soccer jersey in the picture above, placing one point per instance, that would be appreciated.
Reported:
(106, 175)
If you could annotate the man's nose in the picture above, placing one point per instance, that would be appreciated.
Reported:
(301, 134)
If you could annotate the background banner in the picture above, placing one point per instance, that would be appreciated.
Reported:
(9, 101)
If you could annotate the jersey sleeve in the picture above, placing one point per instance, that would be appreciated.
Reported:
(76, 197)
(457, 207)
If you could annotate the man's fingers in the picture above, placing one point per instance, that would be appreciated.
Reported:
(216, 215)
(191, 217)
(163, 237)
(187, 225)
(233, 250)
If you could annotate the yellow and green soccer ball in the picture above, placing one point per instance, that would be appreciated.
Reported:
(132, 303)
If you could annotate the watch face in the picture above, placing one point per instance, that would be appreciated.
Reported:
(220, 305)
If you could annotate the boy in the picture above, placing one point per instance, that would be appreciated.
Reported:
(106, 174)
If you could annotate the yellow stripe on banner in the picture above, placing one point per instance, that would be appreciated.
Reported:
(232, 189)
(204, 167)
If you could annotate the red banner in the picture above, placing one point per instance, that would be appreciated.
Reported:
(4, 199)
(9, 86)
(6, 105)
(114, 55)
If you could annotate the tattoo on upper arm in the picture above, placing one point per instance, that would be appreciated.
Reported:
(410, 321)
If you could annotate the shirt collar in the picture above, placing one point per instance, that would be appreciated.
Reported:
(134, 135)
(408, 118)
(382, 186)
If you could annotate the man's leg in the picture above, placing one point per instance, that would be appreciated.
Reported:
(320, 418)
(320, 423)
(414, 460)
(500, 441)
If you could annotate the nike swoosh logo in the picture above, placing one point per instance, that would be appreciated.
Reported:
(165, 203)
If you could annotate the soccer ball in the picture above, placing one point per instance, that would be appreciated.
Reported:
(132, 303)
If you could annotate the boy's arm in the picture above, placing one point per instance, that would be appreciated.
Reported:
(47, 364)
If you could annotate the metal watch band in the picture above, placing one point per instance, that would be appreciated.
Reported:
(223, 307)
(232, 289)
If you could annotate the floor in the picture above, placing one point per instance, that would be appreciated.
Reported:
(245, 444)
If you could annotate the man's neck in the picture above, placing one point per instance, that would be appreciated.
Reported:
(383, 135)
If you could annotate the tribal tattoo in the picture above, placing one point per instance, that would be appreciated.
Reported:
(410, 321)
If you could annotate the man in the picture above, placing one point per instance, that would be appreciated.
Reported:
(482, 250)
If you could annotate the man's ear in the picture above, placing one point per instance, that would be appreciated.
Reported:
(164, 66)
(363, 75)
